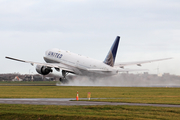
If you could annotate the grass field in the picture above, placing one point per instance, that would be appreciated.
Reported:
(122, 94)
(50, 112)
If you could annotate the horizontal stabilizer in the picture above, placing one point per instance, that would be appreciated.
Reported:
(138, 63)
(99, 70)
(131, 70)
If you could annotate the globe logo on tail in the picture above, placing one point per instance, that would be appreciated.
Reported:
(111, 56)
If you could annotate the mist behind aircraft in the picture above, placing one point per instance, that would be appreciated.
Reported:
(128, 80)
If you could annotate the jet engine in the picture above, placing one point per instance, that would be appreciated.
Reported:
(43, 70)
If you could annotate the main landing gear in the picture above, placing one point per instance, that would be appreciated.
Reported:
(64, 74)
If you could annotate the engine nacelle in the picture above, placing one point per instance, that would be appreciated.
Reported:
(43, 70)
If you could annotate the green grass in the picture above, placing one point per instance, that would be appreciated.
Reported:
(46, 112)
(122, 94)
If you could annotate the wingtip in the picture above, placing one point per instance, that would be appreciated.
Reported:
(118, 37)
(14, 59)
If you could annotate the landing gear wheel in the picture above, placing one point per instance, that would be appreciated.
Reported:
(63, 80)
(64, 74)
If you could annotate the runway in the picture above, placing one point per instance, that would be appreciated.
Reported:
(69, 102)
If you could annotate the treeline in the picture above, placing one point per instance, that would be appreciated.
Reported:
(26, 77)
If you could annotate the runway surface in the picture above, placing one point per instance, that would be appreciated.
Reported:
(68, 102)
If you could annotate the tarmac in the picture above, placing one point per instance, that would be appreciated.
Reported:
(71, 101)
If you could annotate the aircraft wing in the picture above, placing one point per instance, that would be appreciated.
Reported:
(51, 65)
(138, 63)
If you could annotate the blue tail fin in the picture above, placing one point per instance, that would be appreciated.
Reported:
(111, 56)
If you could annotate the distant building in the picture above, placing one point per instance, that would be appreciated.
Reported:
(17, 79)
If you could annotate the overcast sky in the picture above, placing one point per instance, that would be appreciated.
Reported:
(149, 29)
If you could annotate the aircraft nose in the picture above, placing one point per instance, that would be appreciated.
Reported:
(46, 53)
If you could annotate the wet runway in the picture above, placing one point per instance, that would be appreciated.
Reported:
(68, 102)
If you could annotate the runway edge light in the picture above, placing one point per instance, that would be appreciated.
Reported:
(77, 97)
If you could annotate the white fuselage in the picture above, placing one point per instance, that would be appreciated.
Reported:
(80, 64)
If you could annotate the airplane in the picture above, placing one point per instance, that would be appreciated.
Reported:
(68, 62)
